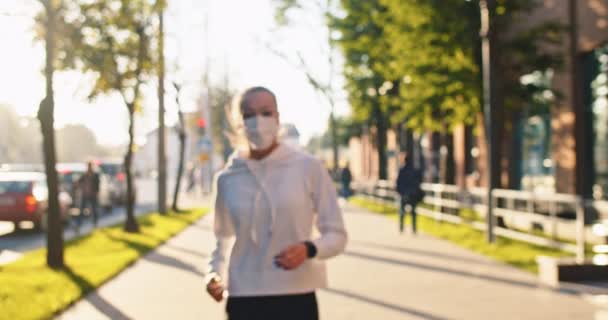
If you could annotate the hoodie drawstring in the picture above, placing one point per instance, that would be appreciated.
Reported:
(256, 211)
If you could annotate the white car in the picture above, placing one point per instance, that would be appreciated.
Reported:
(114, 170)
(70, 173)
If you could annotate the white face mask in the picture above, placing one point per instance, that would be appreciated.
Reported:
(261, 132)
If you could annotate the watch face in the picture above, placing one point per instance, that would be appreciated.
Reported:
(311, 249)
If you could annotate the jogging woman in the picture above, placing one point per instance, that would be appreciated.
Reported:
(276, 220)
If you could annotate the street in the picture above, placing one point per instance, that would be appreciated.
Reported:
(29, 239)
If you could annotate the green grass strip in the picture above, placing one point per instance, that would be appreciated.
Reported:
(516, 253)
(31, 290)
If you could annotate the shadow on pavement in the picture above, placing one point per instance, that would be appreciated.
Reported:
(159, 257)
(432, 268)
(191, 222)
(172, 262)
(409, 250)
(202, 226)
(383, 304)
(94, 298)
(188, 251)
(140, 248)
(106, 308)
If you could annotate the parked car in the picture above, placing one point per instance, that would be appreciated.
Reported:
(22, 167)
(115, 170)
(69, 175)
(24, 197)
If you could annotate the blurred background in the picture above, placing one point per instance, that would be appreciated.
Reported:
(503, 106)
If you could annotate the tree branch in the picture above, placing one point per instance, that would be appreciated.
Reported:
(314, 82)
(303, 67)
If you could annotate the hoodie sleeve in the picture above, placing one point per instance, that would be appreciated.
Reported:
(329, 220)
(223, 230)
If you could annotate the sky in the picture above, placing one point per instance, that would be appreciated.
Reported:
(237, 43)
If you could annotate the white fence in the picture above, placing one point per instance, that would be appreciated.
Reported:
(550, 220)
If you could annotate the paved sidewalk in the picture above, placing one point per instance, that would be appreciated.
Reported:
(382, 275)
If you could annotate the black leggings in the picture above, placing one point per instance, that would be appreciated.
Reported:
(288, 307)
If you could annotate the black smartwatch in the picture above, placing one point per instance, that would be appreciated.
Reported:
(311, 249)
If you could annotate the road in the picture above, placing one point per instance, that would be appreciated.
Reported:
(29, 239)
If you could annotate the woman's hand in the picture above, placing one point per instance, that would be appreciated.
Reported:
(215, 288)
(292, 257)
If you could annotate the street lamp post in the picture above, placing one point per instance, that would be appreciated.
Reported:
(162, 154)
(486, 7)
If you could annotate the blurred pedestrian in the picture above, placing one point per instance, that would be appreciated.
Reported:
(408, 187)
(88, 185)
(346, 179)
(266, 201)
(191, 178)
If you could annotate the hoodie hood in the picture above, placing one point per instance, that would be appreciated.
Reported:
(239, 160)
(240, 163)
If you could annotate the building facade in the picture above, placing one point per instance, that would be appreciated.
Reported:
(564, 150)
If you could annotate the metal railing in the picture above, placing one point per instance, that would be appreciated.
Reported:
(550, 220)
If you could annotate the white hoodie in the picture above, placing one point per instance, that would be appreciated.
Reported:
(264, 206)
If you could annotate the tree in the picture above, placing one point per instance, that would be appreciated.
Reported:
(433, 47)
(418, 62)
(317, 143)
(222, 130)
(325, 85)
(346, 128)
(372, 96)
(17, 136)
(111, 40)
(76, 143)
(9, 125)
(49, 25)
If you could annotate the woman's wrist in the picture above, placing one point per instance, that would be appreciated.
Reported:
(212, 276)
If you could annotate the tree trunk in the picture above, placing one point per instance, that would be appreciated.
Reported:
(182, 149)
(54, 219)
(182, 152)
(442, 152)
(498, 128)
(162, 155)
(381, 128)
(418, 154)
(410, 146)
(435, 156)
(54, 255)
(446, 152)
(512, 152)
(180, 169)
(131, 224)
(334, 140)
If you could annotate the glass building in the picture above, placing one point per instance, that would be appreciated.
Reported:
(596, 103)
